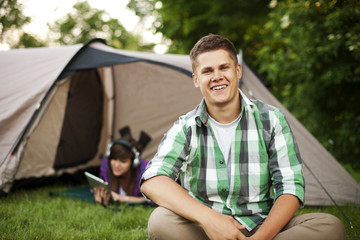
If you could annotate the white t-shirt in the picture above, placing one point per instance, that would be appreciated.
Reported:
(224, 134)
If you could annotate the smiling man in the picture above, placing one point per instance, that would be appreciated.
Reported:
(217, 74)
(237, 163)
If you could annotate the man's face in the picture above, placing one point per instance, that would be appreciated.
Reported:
(217, 75)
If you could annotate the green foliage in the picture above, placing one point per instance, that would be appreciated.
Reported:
(33, 214)
(185, 22)
(11, 21)
(28, 40)
(11, 16)
(310, 55)
(85, 23)
(79, 26)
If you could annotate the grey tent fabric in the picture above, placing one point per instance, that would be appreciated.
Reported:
(44, 134)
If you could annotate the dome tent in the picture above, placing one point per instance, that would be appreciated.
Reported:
(62, 106)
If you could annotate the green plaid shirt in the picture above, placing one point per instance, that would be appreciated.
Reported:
(264, 157)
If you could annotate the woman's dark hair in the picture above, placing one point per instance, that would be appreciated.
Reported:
(120, 151)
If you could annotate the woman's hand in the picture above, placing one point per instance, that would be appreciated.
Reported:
(101, 195)
(119, 198)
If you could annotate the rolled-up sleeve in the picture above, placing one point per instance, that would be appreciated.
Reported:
(285, 162)
(170, 155)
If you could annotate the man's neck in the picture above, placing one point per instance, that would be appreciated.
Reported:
(225, 113)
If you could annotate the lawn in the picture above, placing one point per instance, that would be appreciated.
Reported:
(34, 214)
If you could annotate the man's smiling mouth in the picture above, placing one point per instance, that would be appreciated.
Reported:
(218, 87)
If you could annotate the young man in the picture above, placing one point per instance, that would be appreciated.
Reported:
(236, 160)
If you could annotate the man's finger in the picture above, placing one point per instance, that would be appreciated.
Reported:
(239, 226)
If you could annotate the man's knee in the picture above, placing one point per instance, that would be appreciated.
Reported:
(320, 226)
(335, 228)
(165, 224)
(326, 226)
(156, 223)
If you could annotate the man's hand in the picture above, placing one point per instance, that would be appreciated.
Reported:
(220, 226)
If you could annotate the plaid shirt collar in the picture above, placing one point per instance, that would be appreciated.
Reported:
(202, 115)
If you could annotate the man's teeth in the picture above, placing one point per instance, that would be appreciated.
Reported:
(219, 87)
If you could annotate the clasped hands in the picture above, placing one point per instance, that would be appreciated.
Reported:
(220, 227)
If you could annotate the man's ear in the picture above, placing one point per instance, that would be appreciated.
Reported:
(238, 71)
(195, 80)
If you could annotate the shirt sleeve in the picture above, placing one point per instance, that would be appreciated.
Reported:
(285, 162)
(171, 154)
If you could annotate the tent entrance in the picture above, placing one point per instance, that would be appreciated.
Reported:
(80, 134)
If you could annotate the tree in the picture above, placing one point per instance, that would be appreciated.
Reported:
(184, 22)
(28, 40)
(311, 55)
(11, 16)
(85, 23)
(11, 21)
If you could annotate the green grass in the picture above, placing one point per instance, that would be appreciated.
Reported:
(34, 214)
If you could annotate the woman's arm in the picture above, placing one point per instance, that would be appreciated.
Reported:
(120, 198)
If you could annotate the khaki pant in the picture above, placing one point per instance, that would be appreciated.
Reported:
(164, 224)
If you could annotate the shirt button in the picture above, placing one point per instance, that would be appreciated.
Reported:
(221, 162)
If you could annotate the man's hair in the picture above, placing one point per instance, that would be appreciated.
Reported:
(212, 42)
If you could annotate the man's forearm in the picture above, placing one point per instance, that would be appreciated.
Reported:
(280, 214)
(167, 193)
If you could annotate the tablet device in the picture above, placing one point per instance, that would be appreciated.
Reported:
(96, 182)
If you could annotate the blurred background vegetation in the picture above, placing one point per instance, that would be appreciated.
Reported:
(308, 51)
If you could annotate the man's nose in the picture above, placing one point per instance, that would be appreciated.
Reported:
(217, 76)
